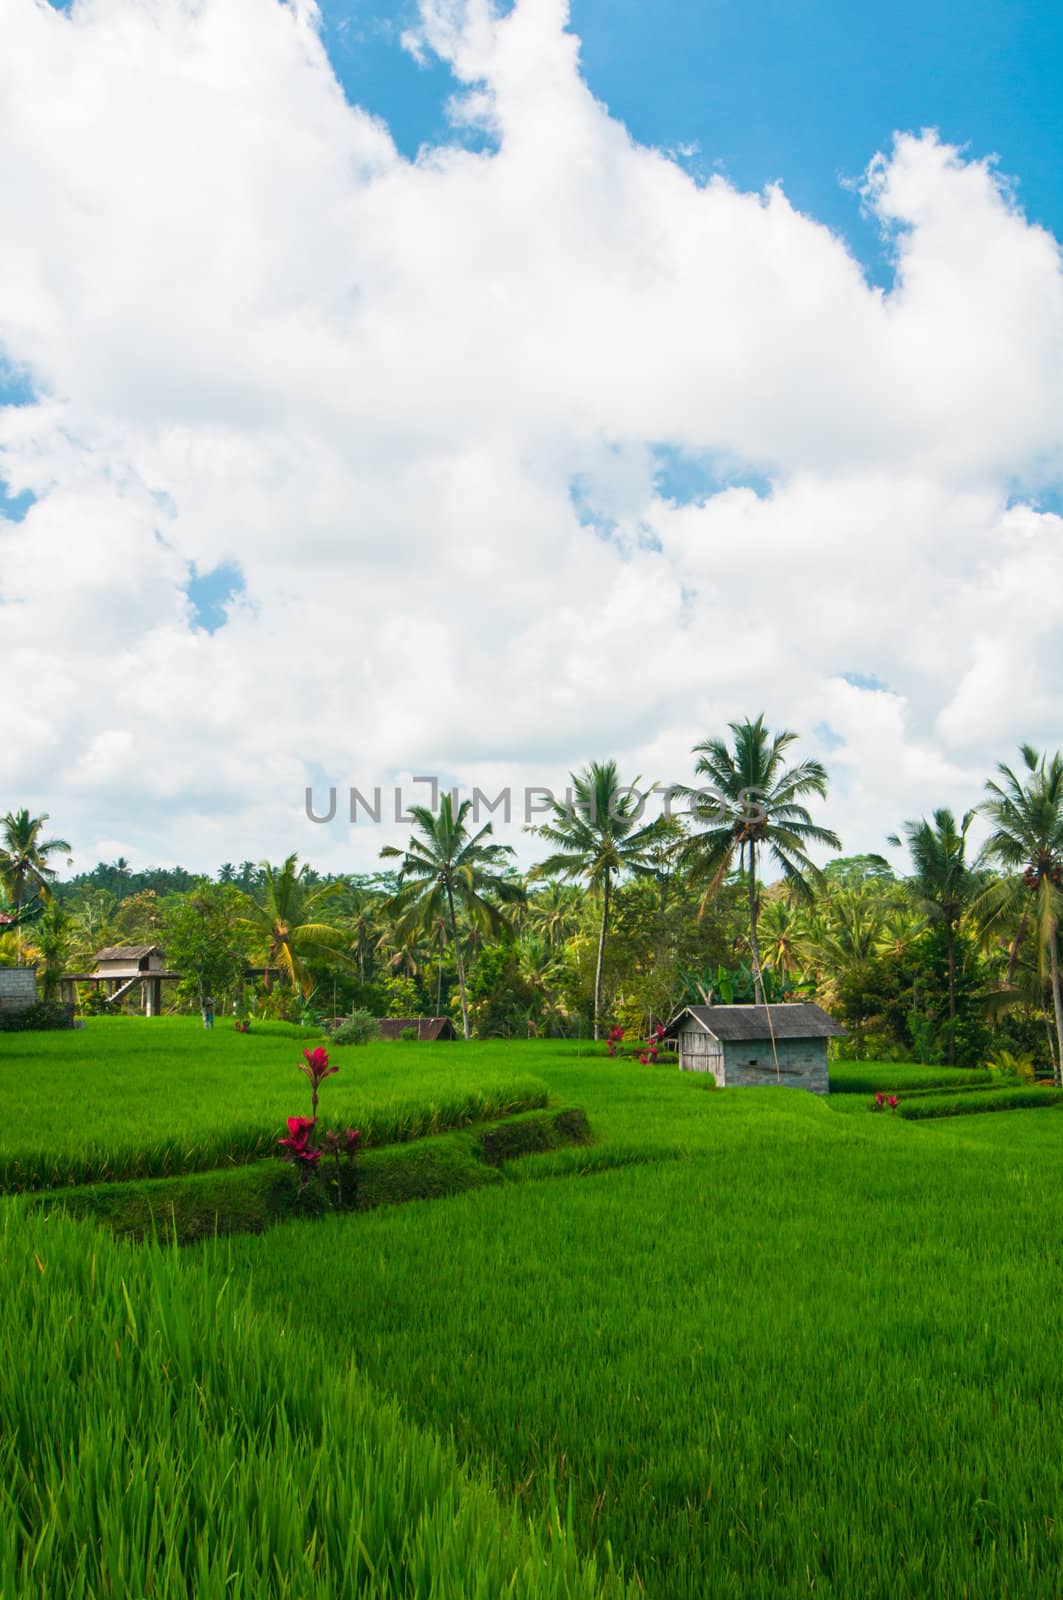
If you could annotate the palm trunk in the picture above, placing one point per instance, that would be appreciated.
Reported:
(758, 982)
(951, 937)
(1057, 1002)
(601, 958)
(1013, 952)
(460, 963)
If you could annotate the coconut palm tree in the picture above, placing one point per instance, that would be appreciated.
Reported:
(597, 839)
(944, 884)
(553, 912)
(783, 926)
(24, 861)
(287, 919)
(1026, 816)
(541, 967)
(361, 925)
(749, 806)
(444, 867)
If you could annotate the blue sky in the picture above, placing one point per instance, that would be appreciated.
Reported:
(777, 89)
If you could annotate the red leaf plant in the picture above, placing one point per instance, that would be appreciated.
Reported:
(297, 1147)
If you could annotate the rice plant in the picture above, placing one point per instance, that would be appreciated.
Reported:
(164, 1440)
(806, 1353)
(136, 1099)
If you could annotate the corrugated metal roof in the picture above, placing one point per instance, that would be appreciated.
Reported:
(796, 1020)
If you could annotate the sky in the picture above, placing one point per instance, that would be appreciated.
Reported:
(475, 391)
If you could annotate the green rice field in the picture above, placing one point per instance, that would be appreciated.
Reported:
(741, 1345)
(127, 1098)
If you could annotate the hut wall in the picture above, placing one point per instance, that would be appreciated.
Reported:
(699, 1052)
(18, 988)
(751, 1064)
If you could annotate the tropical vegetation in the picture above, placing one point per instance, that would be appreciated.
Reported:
(738, 895)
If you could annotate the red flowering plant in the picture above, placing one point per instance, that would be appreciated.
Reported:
(316, 1067)
(614, 1039)
(651, 1050)
(298, 1147)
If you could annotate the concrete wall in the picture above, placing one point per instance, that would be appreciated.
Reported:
(18, 988)
(802, 1065)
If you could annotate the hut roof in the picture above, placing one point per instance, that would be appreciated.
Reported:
(793, 1020)
(427, 1027)
(128, 952)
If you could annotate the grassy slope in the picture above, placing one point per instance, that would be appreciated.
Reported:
(132, 1098)
(792, 1351)
(251, 1198)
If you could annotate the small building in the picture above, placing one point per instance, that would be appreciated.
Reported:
(426, 1027)
(129, 960)
(754, 1047)
(121, 968)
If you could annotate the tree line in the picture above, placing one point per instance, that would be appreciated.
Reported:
(621, 921)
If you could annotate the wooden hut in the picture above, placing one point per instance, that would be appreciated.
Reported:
(426, 1027)
(123, 967)
(123, 961)
(756, 1046)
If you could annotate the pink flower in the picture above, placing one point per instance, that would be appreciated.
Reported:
(297, 1142)
(891, 1101)
(315, 1065)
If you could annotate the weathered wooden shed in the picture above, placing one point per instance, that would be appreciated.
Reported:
(123, 967)
(756, 1047)
(129, 960)
(426, 1027)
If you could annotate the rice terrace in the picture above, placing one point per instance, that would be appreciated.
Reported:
(741, 1343)
(531, 800)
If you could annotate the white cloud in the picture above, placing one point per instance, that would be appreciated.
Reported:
(263, 337)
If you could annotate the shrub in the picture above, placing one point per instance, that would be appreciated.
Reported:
(410, 1035)
(45, 1015)
(359, 1028)
(1016, 1068)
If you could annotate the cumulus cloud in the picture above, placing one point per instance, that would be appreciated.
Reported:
(419, 406)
